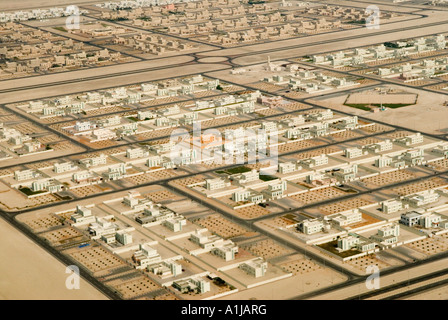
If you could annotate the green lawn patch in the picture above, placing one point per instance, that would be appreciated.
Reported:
(359, 106)
(265, 177)
(393, 106)
(29, 192)
(60, 29)
(386, 105)
(241, 169)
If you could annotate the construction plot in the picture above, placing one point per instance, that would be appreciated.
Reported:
(315, 153)
(151, 176)
(375, 128)
(343, 206)
(134, 288)
(268, 249)
(318, 195)
(221, 226)
(40, 222)
(419, 186)
(252, 212)
(88, 190)
(385, 179)
(300, 266)
(430, 246)
(162, 195)
(440, 165)
(96, 259)
(345, 135)
(297, 145)
(62, 236)
(362, 263)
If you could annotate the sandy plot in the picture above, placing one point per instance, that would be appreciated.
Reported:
(440, 86)
(389, 177)
(258, 165)
(160, 296)
(50, 119)
(102, 111)
(203, 94)
(417, 83)
(41, 200)
(59, 126)
(241, 125)
(317, 152)
(252, 212)
(4, 172)
(221, 226)
(277, 222)
(430, 246)
(294, 94)
(375, 128)
(9, 117)
(66, 146)
(366, 220)
(440, 164)
(362, 263)
(31, 273)
(269, 112)
(50, 138)
(381, 62)
(345, 135)
(105, 152)
(99, 144)
(297, 145)
(267, 249)
(162, 101)
(398, 134)
(163, 195)
(27, 128)
(212, 164)
(134, 288)
(300, 266)
(264, 86)
(283, 117)
(86, 190)
(61, 235)
(12, 199)
(155, 134)
(41, 222)
(40, 165)
(343, 206)
(295, 106)
(190, 180)
(219, 122)
(232, 88)
(96, 259)
(419, 186)
(318, 195)
(367, 141)
(372, 97)
(151, 176)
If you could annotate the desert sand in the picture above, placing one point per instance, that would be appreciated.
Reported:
(28, 272)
